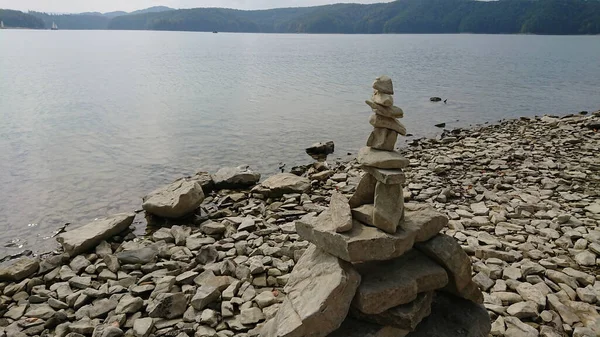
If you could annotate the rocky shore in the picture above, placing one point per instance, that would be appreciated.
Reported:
(522, 196)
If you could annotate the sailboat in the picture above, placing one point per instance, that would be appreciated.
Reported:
(1, 24)
(54, 26)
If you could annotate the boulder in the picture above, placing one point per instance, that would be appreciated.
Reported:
(341, 215)
(384, 85)
(235, 177)
(383, 139)
(321, 149)
(176, 200)
(283, 183)
(387, 284)
(364, 243)
(19, 270)
(381, 159)
(379, 121)
(405, 317)
(85, 238)
(319, 292)
(393, 111)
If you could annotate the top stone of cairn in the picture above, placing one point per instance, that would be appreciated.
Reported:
(384, 85)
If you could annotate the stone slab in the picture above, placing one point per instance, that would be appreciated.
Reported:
(364, 243)
(387, 284)
(388, 177)
(365, 192)
(318, 296)
(381, 159)
(389, 207)
(379, 121)
(405, 317)
(82, 239)
(282, 183)
(393, 111)
(341, 215)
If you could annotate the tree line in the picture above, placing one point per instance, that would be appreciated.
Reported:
(403, 16)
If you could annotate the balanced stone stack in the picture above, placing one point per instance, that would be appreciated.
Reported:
(378, 267)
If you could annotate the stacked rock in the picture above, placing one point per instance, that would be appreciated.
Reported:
(377, 267)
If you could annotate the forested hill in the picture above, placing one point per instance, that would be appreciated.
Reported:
(403, 16)
(16, 19)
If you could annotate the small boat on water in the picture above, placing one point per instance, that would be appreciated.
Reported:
(215, 32)
(54, 26)
(1, 24)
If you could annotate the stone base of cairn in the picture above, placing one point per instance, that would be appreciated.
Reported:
(378, 267)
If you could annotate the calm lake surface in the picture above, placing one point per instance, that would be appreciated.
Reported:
(90, 121)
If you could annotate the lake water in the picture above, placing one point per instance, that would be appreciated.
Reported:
(90, 121)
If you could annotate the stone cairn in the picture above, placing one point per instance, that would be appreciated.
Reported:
(378, 267)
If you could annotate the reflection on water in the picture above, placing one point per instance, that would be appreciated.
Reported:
(91, 121)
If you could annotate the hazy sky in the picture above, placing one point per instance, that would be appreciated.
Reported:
(77, 6)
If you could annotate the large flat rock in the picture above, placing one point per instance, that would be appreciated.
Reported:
(84, 238)
(388, 284)
(19, 269)
(319, 292)
(365, 243)
(450, 317)
(280, 184)
(405, 317)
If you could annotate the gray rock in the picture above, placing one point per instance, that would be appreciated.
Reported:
(283, 183)
(381, 159)
(235, 177)
(138, 256)
(364, 243)
(204, 296)
(384, 85)
(393, 111)
(331, 284)
(107, 331)
(516, 328)
(143, 327)
(167, 305)
(383, 99)
(383, 139)
(387, 284)
(365, 192)
(523, 310)
(324, 148)
(388, 177)
(379, 121)
(176, 200)
(388, 208)
(19, 270)
(85, 238)
(129, 305)
(251, 316)
(102, 307)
